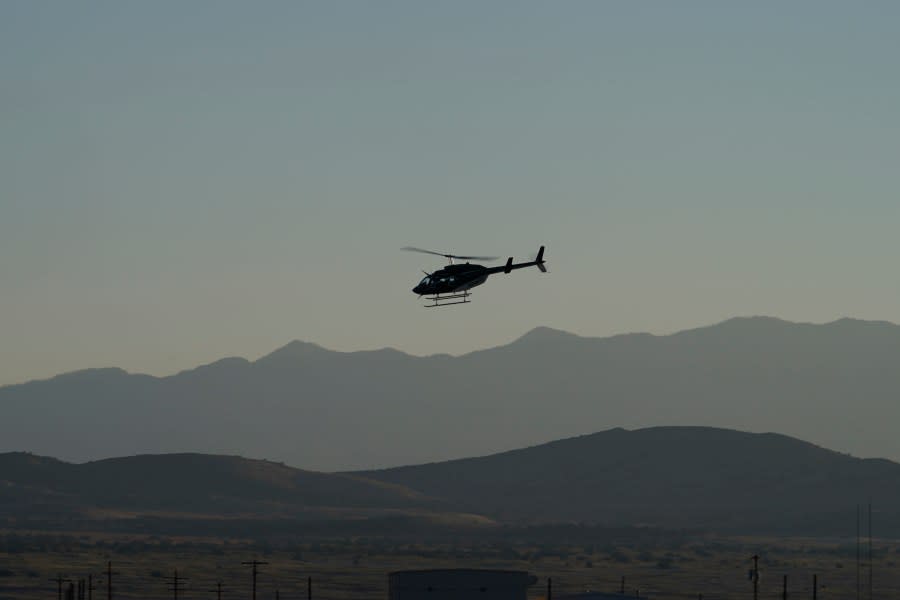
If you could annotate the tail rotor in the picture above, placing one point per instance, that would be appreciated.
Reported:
(539, 260)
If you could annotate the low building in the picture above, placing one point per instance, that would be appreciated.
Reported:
(598, 596)
(459, 584)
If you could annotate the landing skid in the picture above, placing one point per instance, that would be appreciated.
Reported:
(438, 300)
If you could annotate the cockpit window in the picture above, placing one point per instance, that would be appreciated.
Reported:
(425, 281)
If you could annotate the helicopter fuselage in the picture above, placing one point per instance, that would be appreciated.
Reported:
(453, 278)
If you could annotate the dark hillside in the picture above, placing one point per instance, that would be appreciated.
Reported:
(665, 477)
(669, 477)
(194, 483)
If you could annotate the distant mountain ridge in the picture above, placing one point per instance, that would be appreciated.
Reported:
(834, 384)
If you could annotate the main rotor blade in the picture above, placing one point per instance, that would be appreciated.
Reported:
(422, 250)
(477, 257)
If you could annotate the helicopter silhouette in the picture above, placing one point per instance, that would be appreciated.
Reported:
(451, 284)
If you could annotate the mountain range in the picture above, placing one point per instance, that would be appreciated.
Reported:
(834, 384)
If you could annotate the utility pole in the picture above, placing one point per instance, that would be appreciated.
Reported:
(309, 588)
(549, 588)
(177, 583)
(755, 577)
(815, 586)
(858, 580)
(59, 579)
(784, 589)
(218, 590)
(109, 574)
(870, 549)
(254, 564)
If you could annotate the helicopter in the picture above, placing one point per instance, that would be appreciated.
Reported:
(451, 284)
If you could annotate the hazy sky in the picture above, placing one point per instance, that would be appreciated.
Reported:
(185, 181)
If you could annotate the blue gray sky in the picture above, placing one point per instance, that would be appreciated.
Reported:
(185, 181)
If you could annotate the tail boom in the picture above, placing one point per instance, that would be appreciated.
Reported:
(510, 266)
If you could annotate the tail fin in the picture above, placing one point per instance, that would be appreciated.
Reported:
(540, 260)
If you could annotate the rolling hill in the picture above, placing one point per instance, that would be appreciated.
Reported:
(695, 478)
(197, 484)
(670, 477)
